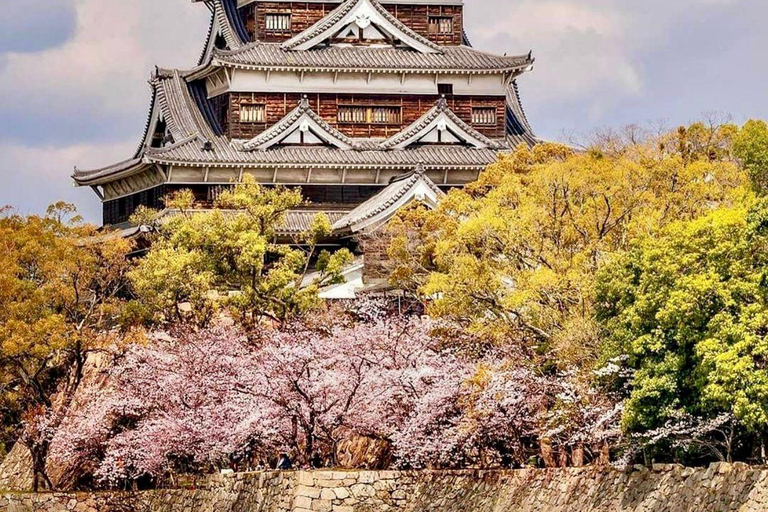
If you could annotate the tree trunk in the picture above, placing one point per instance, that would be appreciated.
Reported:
(39, 474)
(577, 456)
(547, 453)
(605, 455)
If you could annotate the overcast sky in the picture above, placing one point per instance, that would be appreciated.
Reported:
(73, 73)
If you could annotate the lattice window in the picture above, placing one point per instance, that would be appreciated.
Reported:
(369, 115)
(484, 116)
(441, 24)
(278, 22)
(250, 113)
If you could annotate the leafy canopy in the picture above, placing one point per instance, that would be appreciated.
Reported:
(513, 255)
(229, 256)
(690, 309)
(751, 147)
(60, 287)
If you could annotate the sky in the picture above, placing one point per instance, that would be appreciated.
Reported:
(74, 92)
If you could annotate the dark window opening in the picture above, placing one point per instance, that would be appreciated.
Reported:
(445, 89)
(220, 42)
(159, 136)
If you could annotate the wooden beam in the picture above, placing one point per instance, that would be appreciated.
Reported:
(98, 192)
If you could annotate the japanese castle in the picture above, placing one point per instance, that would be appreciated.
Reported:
(366, 105)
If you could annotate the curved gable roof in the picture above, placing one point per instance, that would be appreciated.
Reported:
(402, 191)
(440, 117)
(365, 13)
(305, 119)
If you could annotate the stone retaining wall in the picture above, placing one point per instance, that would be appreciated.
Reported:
(720, 488)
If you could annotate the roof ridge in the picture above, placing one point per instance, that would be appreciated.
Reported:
(181, 143)
(453, 59)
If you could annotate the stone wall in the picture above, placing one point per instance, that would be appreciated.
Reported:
(720, 488)
(16, 470)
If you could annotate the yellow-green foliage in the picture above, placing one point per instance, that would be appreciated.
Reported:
(60, 284)
(228, 257)
(513, 256)
(751, 147)
(690, 309)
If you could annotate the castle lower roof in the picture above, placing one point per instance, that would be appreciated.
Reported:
(451, 60)
(197, 143)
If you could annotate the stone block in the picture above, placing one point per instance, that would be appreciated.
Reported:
(341, 493)
(363, 491)
(306, 478)
(366, 477)
(302, 502)
(307, 491)
(322, 506)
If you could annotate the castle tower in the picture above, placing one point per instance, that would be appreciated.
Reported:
(364, 104)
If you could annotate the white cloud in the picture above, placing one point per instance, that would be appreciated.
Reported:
(114, 49)
(34, 177)
(579, 47)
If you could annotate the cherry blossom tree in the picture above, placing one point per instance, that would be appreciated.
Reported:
(200, 401)
(172, 404)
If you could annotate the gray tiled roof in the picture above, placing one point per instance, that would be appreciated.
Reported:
(226, 25)
(129, 166)
(293, 222)
(223, 153)
(296, 222)
(180, 111)
(519, 131)
(424, 121)
(343, 10)
(453, 59)
(386, 200)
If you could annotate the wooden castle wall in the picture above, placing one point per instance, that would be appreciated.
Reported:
(417, 18)
(327, 105)
(306, 14)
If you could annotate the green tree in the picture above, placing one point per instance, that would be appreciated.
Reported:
(513, 256)
(60, 288)
(228, 257)
(689, 309)
(751, 147)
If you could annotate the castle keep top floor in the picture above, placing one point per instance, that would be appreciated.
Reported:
(441, 21)
(335, 97)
